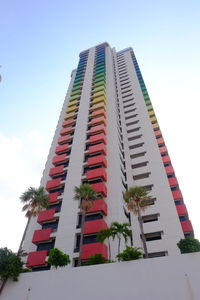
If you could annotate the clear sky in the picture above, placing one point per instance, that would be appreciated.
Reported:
(40, 43)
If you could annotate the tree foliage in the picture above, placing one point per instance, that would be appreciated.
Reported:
(86, 195)
(96, 260)
(188, 245)
(57, 258)
(130, 253)
(120, 230)
(104, 234)
(10, 264)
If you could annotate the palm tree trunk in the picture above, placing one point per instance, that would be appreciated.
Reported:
(119, 247)
(23, 237)
(109, 249)
(81, 238)
(142, 234)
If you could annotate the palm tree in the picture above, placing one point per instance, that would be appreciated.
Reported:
(137, 200)
(34, 200)
(120, 230)
(86, 195)
(103, 235)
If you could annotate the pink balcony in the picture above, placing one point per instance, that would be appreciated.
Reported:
(99, 206)
(62, 148)
(56, 170)
(98, 128)
(100, 188)
(67, 123)
(166, 159)
(36, 258)
(59, 158)
(66, 130)
(53, 197)
(173, 181)
(94, 226)
(181, 209)
(92, 249)
(177, 195)
(99, 112)
(64, 139)
(53, 183)
(187, 226)
(160, 141)
(99, 120)
(97, 148)
(158, 133)
(96, 160)
(96, 173)
(46, 215)
(41, 235)
(169, 170)
(97, 138)
(163, 149)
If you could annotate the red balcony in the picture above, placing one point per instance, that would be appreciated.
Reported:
(36, 258)
(96, 173)
(163, 149)
(59, 158)
(53, 197)
(46, 215)
(97, 138)
(158, 133)
(173, 181)
(94, 226)
(67, 123)
(160, 141)
(100, 120)
(98, 128)
(100, 188)
(166, 159)
(177, 195)
(92, 249)
(99, 112)
(181, 209)
(53, 183)
(64, 139)
(61, 148)
(56, 170)
(96, 160)
(99, 206)
(41, 235)
(97, 148)
(169, 170)
(187, 226)
(66, 131)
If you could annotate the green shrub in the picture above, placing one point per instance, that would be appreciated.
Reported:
(57, 258)
(10, 264)
(96, 259)
(130, 253)
(188, 245)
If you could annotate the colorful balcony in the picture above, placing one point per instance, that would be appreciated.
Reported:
(62, 148)
(98, 100)
(71, 109)
(100, 188)
(177, 195)
(67, 123)
(181, 210)
(76, 97)
(98, 112)
(166, 159)
(98, 121)
(94, 226)
(154, 126)
(98, 106)
(98, 128)
(97, 138)
(70, 116)
(64, 139)
(99, 206)
(97, 148)
(97, 160)
(163, 149)
(41, 235)
(92, 249)
(66, 130)
(187, 226)
(153, 119)
(99, 89)
(46, 215)
(53, 197)
(56, 170)
(96, 173)
(36, 258)
(169, 170)
(173, 181)
(59, 158)
(53, 183)
(160, 141)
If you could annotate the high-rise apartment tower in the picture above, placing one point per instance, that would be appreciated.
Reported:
(107, 136)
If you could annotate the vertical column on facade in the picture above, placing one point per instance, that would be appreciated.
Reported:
(45, 238)
(173, 182)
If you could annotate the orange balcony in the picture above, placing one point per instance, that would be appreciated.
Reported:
(59, 158)
(99, 128)
(56, 170)
(169, 169)
(53, 183)
(181, 209)
(46, 215)
(99, 112)
(99, 206)
(97, 148)
(99, 120)
(41, 235)
(36, 258)
(61, 148)
(187, 226)
(92, 249)
(97, 138)
(177, 195)
(94, 226)
(166, 159)
(53, 197)
(67, 123)
(160, 141)
(158, 133)
(96, 173)
(100, 188)
(173, 181)
(64, 139)
(96, 160)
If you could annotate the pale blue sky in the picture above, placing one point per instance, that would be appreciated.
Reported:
(40, 43)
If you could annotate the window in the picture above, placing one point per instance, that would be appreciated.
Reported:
(183, 218)
(148, 187)
(127, 100)
(46, 246)
(141, 176)
(157, 254)
(140, 165)
(125, 96)
(77, 243)
(134, 129)
(150, 218)
(129, 105)
(137, 155)
(130, 110)
(130, 117)
(153, 236)
(89, 239)
(56, 206)
(53, 225)
(136, 146)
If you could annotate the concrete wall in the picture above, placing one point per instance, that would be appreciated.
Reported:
(166, 278)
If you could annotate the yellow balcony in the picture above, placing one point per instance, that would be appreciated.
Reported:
(70, 109)
(99, 99)
(70, 115)
(97, 106)
(74, 97)
(72, 103)
(101, 93)
(150, 112)
(153, 119)
(155, 125)
(99, 89)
